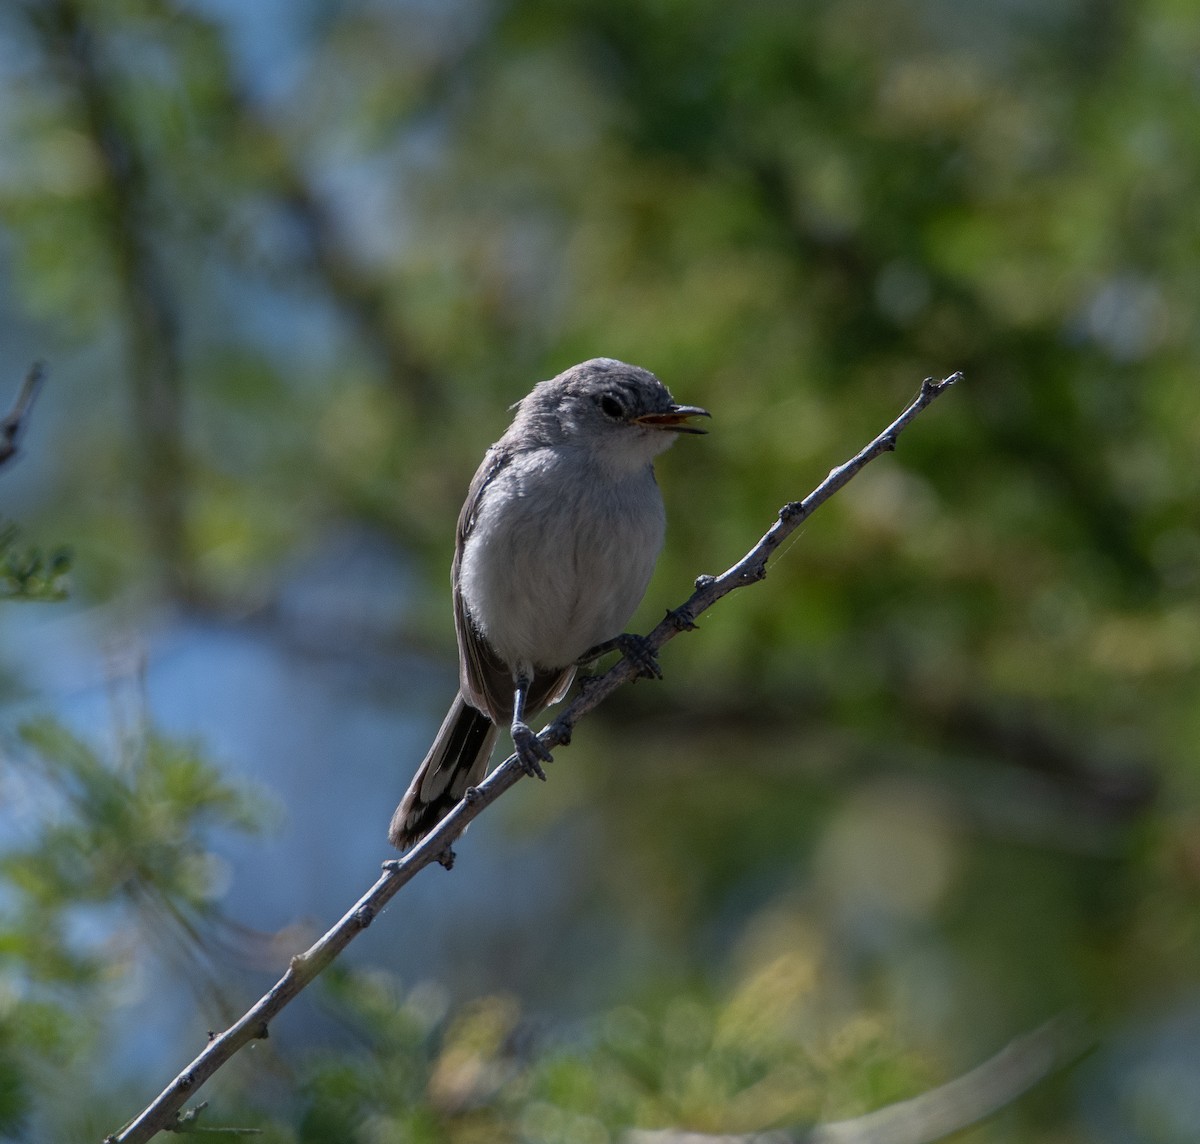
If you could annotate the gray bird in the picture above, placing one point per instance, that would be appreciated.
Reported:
(556, 543)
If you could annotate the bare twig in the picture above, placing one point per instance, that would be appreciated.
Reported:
(15, 421)
(949, 1108)
(164, 1111)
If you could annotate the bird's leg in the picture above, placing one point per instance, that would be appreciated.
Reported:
(636, 649)
(531, 751)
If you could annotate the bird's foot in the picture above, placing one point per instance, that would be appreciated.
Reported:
(638, 651)
(561, 730)
(531, 751)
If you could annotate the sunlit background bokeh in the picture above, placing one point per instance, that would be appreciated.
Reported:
(931, 784)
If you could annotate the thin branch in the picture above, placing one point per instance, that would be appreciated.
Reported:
(16, 420)
(164, 1111)
(933, 1115)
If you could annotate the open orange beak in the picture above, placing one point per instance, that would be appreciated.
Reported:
(674, 419)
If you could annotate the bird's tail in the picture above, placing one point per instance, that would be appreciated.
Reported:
(457, 760)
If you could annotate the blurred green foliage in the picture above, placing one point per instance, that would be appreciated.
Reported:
(298, 264)
(109, 863)
(28, 573)
(761, 1054)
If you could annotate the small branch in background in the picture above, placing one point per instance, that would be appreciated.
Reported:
(164, 1112)
(26, 575)
(372, 306)
(187, 1123)
(379, 324)
(148, 310)
(933, 1115)
(16, 420)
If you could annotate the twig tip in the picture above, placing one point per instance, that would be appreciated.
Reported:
(933, 386)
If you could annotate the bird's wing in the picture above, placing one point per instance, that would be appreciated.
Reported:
(485, 679)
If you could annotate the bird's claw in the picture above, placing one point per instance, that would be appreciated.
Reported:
(531, 751)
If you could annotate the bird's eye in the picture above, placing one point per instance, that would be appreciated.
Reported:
(611, 405)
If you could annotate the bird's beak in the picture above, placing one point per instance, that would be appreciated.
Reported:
(674, 419)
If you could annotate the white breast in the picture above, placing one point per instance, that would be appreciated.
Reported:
(560, 555)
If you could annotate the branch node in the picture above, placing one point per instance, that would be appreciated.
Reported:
(931, 387)
(364, 917)
(586, 683)
(186, 1080)
(682, 619)
(704, 580)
